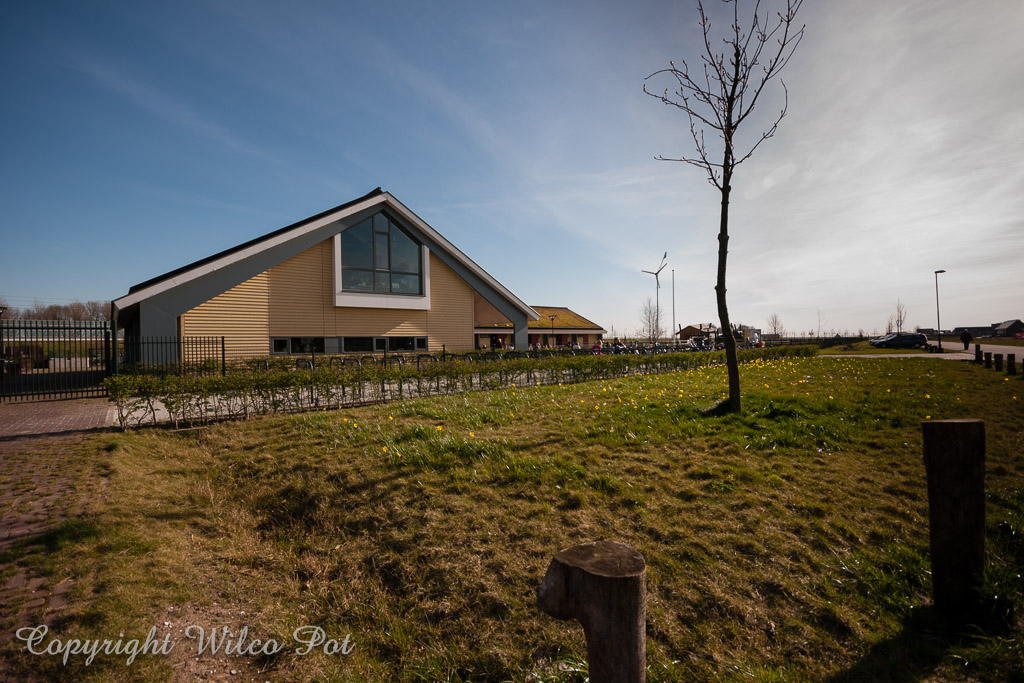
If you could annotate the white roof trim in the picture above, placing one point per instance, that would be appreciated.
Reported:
(383, 198)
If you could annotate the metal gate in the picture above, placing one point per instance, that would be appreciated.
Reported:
(49, 359)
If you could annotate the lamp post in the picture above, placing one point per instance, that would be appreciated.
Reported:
(938, 323)
(553, 344)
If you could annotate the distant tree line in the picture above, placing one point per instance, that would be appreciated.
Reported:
(76, 310)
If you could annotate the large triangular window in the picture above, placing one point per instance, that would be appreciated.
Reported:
(378, 256)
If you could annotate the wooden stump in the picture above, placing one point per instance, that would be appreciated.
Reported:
(998, 358)
(602, 585)
(988, 359)
(977, 353)
(1011, 364)
(954, 461)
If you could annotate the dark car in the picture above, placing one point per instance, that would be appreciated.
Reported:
(901, 340)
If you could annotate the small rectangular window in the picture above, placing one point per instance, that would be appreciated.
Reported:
(421, 343)
(357, 344)
(278, 345)
(380, 344)
(401, 343)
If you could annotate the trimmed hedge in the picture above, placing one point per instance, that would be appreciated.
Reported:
(242, 393)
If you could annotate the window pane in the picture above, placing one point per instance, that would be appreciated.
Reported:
(318, 344)
(381, 261)
(380, 344)
(357, 344)
(380, 223)
(421, 343)
(405, 284)
(400, 343)
(357, 246)
(405, 254)
(357, 280)
(383, 283)
(300, 345)
(280, 345)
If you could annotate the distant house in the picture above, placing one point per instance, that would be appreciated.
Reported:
(1008, 328)
(556, 327)
(364, 277)
(696, 331)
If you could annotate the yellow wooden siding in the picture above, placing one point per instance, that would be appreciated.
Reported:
(451, 309)
(296, 299)
(240, 315)
(298, 296)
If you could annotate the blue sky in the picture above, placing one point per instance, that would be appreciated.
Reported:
(139, 137)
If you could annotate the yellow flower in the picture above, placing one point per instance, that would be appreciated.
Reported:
(472, 434)
(927, 395)
(439, 428)
(390, 418)
(927, 417)
(384, 449)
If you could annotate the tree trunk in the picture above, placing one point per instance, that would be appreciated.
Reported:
(731, 360)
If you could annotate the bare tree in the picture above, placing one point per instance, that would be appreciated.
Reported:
(76, 310)
(775, 325)
(900, 317)
(717, 97)
(650, 321)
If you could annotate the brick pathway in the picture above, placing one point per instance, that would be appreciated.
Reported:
(54, 418)
(39, 468)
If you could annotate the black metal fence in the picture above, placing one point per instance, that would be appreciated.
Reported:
(44, 359)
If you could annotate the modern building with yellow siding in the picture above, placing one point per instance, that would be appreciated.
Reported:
(367, 276)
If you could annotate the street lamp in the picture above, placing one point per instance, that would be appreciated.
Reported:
(938, 323)
(553, 344)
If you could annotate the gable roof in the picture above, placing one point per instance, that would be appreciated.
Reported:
(237, 253)
(565, 319)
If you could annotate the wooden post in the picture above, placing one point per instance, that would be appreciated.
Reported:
(603, 585)
(999, 361)
(977, 353)
(988, 359)
(1011, 364)
(954, 461)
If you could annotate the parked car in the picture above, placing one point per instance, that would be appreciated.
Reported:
(901, 340)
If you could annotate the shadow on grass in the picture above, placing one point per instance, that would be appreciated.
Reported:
(913, 654)
(64, 533)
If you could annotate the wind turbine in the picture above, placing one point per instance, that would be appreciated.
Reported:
(657, 288)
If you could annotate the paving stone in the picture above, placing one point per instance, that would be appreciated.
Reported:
(16, 581)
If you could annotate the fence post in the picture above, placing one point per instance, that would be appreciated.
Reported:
(223, 358)
(999, 361)
(954, 461)
(603, 585)
(106, 353)
(988, 359)
(117, 350)
(977, 353)
(1011, 364)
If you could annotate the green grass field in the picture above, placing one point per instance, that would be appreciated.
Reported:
(785, 544)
